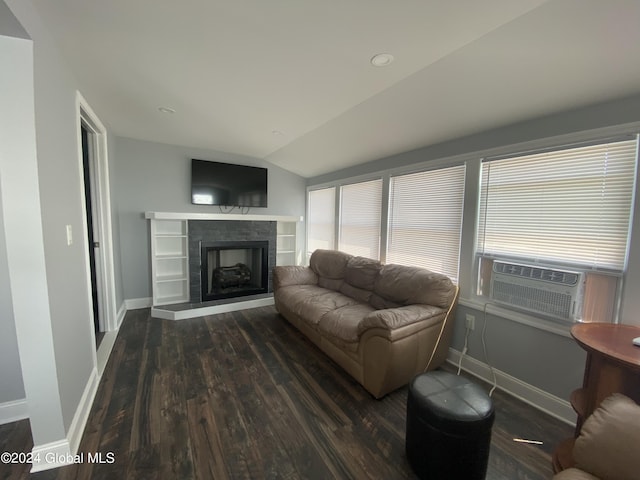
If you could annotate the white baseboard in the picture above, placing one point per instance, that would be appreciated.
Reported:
(13, 411)
(82, 412)
(135, 303)
(51, 455)
(544, 401)
(122, 311)
(63, 452)
(159, 312)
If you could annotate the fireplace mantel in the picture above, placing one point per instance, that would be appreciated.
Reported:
(219, 216)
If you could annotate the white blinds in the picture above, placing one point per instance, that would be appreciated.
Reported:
(360, 218)
(425, 219)
(321, 219)
(570, 206)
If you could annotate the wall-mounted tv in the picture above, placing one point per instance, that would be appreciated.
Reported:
(216, 183)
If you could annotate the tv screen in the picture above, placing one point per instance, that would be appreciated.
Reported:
(216, 183)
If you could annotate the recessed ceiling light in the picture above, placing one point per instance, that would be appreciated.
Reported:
(381, 59)
(166, 110)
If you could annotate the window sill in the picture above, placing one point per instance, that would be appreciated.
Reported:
(518, 317)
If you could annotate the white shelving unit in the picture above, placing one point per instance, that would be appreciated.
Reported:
(286, 248)
(169, 261)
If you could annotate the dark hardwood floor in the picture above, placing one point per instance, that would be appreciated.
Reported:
(244, 395)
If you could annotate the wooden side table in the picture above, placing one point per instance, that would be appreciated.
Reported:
(613, 365)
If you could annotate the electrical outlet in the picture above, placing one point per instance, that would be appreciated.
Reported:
(470, 322)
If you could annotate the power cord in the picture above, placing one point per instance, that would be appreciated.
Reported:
(464, 349)
(484, 348)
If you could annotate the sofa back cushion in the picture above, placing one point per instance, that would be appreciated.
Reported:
(362, 272)
(406, 285)
(329, 264)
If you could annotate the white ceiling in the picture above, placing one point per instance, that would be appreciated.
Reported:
(235, 71)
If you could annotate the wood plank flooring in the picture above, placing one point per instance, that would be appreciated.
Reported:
(245, 395)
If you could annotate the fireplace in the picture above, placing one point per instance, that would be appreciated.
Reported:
(226, 233)
(233, 269)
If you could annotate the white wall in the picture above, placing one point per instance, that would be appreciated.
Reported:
(157, 177)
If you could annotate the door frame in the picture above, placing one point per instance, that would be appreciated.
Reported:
(102, 214)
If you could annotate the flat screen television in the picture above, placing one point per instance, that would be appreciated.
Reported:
(216, 183)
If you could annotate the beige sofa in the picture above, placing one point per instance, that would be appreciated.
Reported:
(382, 323)
(608, 447)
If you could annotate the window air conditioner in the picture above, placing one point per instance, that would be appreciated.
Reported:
(551, 292)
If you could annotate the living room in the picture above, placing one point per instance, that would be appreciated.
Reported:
(48, 376)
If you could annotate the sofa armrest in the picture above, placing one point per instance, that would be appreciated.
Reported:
(608, 443)
(283, 276)
(395, 318)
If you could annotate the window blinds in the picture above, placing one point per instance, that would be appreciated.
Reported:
(425, 219)
(571, 206)
(321, 219)
(360, 218)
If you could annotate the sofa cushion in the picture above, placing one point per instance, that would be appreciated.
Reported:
(342, 323)
(608, 443)
(329, 263)
(408, 285)
(330, 283)
(380, 303)
(295, 294)
(359, 294)
(394, 318)
(362, 272)
(311, 307)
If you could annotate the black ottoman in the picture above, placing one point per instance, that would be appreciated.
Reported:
(449, 423)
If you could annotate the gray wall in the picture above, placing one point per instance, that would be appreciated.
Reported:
(157, 177)
(11, 386)
(66, 327)
(551, 362)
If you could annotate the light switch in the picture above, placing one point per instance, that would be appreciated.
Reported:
(69, 235)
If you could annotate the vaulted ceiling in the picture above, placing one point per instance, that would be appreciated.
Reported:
(290, 81)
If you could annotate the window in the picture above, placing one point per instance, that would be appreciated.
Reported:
(360, 218)
(321, 219)
(569, 207)
(425, 219)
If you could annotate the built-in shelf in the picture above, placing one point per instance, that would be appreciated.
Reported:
(286, 238)
(170, 249)
(169, 261)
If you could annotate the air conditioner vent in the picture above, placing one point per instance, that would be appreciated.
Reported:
(537, 273)
(551, 292)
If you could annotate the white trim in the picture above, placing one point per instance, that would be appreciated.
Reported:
(104, 350)
(136, 303)
(105, 254)
(13, 411)
(544, 401)
(159, 312)
(122, 311)
(51, 455)
(74, 435)
(220, 216)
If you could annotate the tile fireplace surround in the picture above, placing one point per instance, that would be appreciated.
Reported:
(198, 228)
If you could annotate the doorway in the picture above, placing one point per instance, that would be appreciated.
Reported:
(88, 170)
(97, 230)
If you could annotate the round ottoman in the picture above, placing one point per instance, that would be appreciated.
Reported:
(449, 423)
